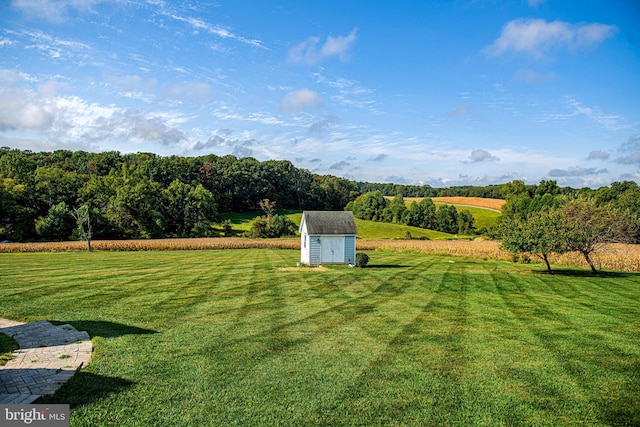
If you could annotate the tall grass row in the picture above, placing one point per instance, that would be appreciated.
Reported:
(618, 257)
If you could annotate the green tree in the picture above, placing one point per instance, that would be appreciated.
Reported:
(396, 208)
(10, 208)
(58, 224)
(422, 214)
(135, 210)
(628, 202)
(369, 206)
(540, 235)
(227, 228)
(447, 219)
(188, 210)
(55, 185)
(587, 227)
(259, 228)
(465, 222)
(281, 225)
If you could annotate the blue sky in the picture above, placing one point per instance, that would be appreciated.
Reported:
(417, 92)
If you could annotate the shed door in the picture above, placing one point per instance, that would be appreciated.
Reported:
(332, 250)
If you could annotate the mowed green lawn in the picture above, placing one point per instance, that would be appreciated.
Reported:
(242, 337)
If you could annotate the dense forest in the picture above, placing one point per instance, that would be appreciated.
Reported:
(146, 195)
(44, 196)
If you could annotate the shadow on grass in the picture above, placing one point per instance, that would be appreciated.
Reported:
(104, 329)
(85, 388)
(377, 266)
(585, 273)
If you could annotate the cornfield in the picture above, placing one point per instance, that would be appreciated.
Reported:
(617, 257)
(154, 245)
(477, 202)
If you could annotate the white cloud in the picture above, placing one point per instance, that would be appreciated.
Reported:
(300, 100)
(378, 158)
(323, 124)
(50, 10)
(537, 37)
(350, 92)
(195, 92)
(481, 156)
(22, 109)
(55, 10)
(608, 121)
(225, 113)
(598, 155)
(631, 159)
(55, 47)
(576, 172)
(309, 51)
(631, 151)
(216, 30)
(44, 115)
(341, 165)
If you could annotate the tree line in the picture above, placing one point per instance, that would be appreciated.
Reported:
(540, 220)
(389, 189)
(374, 206)
(76, 194)
(50, 196)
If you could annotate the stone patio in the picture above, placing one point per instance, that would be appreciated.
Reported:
(48, 356)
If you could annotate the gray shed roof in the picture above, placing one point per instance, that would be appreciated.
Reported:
(329, 222)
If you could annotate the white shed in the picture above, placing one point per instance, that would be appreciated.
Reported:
(328, 237)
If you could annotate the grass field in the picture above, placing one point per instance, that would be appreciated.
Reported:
(483, 217)
(366, 229)
(242, 337)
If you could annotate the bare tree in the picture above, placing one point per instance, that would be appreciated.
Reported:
(83, 219)
(268, 207)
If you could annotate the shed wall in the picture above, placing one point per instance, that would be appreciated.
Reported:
(315, 251)
(350, 250)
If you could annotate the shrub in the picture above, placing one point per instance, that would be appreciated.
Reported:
(282, 226)
(362, 260)
(227, 228)
(259, 228)
(278, 226)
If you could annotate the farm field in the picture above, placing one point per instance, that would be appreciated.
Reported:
(485, 211)
(479, 202)
(243, 337)
(619, 257)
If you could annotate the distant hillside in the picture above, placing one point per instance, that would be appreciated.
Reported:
(241, 222)
(477, 202)
(485, 211)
